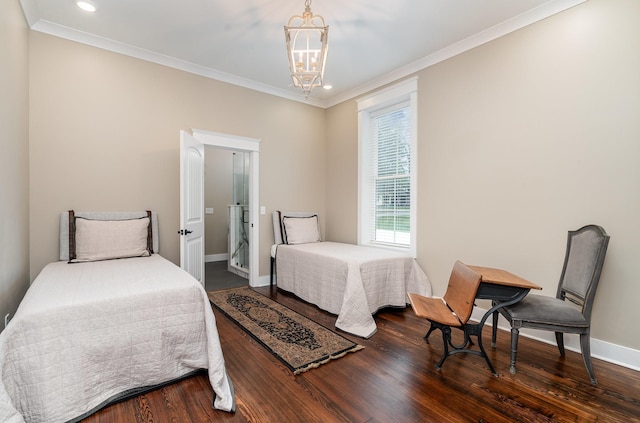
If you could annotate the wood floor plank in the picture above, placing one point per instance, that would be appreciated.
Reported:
(394, 380)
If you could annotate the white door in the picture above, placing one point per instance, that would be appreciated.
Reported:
(192, 206)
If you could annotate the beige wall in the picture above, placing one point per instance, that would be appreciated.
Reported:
(14, 157)
(104, 135)
(218, 184)
(521, 140)
(342, 173)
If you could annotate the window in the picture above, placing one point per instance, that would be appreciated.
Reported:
(387, 170)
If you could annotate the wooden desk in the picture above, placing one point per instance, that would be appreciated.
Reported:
(502, 286)
(503, 289)
(502, 277)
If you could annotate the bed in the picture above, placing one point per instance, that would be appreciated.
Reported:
(110, 320)
(351, 281)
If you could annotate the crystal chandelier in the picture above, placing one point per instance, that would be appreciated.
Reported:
(306, 38)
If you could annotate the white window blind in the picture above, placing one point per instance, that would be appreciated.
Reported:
(390, 169)
(387, 173)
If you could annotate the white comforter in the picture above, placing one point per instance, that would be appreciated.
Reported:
(86, 332)
(349, 280)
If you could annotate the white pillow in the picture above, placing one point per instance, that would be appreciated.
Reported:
(110, 239)
(301, 230)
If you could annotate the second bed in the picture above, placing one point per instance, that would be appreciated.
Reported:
(349, 280)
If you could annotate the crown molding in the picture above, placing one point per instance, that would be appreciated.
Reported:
(71, 34)
(31, 12)
(539, 13)
(518, 22)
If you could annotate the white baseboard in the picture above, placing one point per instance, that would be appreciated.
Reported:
(263, 281)
(216, 257)
(612, 353)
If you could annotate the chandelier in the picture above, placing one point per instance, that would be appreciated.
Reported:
(306, 38)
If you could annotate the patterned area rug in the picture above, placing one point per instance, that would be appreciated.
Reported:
(298, 342)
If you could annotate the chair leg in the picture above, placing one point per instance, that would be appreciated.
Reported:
(585, 348)
(560, 342)
(514, 349)
(431, 329)
(446, 338)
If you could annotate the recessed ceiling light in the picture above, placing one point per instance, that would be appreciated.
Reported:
(87, 6)
(327, 86)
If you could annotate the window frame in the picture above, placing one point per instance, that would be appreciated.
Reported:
(397, 94)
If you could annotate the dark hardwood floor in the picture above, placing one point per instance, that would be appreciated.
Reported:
(394, 380)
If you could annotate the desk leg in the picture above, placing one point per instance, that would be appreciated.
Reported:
(493, 311)
(494, 329)
(476, 329)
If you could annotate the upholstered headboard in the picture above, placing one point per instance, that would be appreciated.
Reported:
(279, 230)
(107, 216)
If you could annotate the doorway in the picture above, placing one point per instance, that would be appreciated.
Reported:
(250, 149)
(226, 202)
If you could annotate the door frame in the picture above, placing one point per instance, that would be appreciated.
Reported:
(252, 146)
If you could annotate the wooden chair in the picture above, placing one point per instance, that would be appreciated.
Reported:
(570, 310)
(453, 310)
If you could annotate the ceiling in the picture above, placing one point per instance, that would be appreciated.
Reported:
(242, 41)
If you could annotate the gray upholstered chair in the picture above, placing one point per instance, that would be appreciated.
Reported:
(570, 310)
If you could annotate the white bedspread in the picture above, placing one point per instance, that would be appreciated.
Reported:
(86, 332)
(349, 280)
